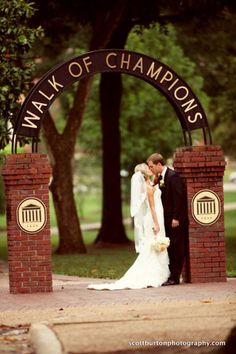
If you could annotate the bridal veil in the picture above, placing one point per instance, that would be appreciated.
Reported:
(138, 207)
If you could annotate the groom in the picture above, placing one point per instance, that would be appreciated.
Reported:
(174, 202)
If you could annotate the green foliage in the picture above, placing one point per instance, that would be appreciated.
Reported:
(212, 46)
(146, 115)
(148, 121)
(16, 40)
(90, 134)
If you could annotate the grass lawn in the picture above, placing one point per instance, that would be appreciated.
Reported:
(229, 197)
(112, 263)
(98, 263)
(230, 229)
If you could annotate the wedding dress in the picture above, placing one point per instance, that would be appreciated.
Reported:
(151, 268)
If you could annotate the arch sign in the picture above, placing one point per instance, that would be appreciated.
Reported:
(187, 106)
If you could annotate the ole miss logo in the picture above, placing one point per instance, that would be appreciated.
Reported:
(206, 207)
(31, 215)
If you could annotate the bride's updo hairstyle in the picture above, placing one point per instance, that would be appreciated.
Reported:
(143, 168)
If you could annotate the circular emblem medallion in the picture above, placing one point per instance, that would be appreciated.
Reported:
(31, 215)
(206, 207)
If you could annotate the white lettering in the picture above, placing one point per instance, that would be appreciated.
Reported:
(179, 89)
(86, 64)
(197, 116)
(167, 77)
(54, 84)
(107, 60)
(44, 95)
(189, 105)
(29, 120)
(78, 69)
(38, 105)
(173, 84)
(152, 73)
(139, 65)
(125, 61)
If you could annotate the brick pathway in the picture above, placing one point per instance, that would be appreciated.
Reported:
(72, 292)
(88, 321)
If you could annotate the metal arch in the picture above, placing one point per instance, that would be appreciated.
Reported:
(100, 67)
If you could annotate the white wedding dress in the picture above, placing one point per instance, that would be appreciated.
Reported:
(151, 268)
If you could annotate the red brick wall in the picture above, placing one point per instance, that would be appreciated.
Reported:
(202, 167)
(29, 254)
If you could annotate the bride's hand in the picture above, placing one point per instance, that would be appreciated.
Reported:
(156, 229)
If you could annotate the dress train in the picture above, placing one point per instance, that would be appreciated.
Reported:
(151, 268)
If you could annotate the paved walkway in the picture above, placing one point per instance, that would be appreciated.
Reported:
(88, 321)
(230, 206)
(229, 187)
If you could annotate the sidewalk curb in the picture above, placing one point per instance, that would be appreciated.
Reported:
(44, 340)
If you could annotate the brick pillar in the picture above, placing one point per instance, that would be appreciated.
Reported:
(202, 168)
(26, 178)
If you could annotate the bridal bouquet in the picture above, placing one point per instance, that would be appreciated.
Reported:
(160, 244)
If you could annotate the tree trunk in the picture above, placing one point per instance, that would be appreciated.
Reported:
(70, 240)
(112, 229)
(61, 153)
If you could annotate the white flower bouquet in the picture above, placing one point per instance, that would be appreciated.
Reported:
(160, 244)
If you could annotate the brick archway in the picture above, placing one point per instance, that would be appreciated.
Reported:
(26, 175)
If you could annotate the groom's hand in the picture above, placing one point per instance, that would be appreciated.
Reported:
(175, 223)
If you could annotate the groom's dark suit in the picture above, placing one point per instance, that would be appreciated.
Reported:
(174, 202)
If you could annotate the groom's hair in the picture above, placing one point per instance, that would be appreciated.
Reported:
(156, 158)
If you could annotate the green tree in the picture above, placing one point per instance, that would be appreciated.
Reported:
(148, 121)
(16, 66)
(212, 46)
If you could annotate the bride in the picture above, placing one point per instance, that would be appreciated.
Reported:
(150, 268)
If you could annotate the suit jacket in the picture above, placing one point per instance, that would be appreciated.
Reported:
(174, 198)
